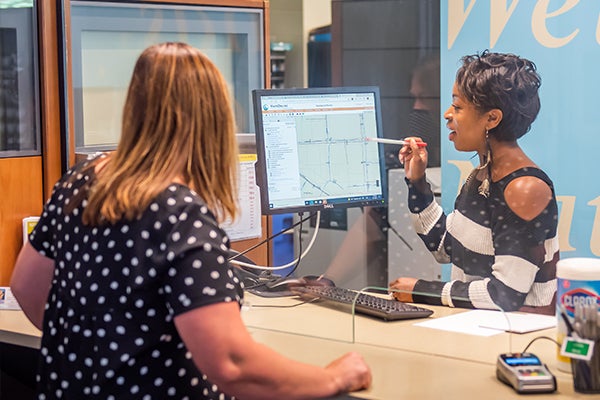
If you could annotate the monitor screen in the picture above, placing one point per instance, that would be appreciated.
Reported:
(312, 148)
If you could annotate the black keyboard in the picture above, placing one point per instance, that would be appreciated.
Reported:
(387, 309)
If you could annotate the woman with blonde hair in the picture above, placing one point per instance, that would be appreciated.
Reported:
(126, 272)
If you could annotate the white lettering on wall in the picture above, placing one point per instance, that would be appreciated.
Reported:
(465, 168)
(500, 13)
(595, 237)
(457, 15)
(598, 31)
(538, 23)
(499, 16)
(565, 221)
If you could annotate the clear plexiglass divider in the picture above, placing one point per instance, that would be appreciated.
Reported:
(309, 316)
(492, 318)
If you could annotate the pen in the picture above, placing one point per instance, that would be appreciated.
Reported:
(563, 314)
(393, 141)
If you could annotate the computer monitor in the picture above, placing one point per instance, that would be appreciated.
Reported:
(312, 148)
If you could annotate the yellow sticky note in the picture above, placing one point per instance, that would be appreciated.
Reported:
(28, 224)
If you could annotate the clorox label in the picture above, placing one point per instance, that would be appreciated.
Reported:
(579, 295)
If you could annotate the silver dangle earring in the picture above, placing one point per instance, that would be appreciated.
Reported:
(484, 188)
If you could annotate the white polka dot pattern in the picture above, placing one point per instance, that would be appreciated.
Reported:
(108, 326)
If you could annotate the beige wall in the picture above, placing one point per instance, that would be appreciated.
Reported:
(316, 13)
(291, 20)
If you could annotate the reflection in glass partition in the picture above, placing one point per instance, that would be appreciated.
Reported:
(107, 39)
(104, 82)
(18, 83)
(333, 312)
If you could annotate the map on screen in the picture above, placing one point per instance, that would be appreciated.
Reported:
(313, 151)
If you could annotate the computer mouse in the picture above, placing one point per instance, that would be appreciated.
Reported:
(285, 284)
(313, 280)
(291, 282)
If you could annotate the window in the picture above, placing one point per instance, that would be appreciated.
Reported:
(19, 114)
(107, 39)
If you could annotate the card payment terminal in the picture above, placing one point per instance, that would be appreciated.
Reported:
(525, 373)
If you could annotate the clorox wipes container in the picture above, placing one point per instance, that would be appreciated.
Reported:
(578, 281)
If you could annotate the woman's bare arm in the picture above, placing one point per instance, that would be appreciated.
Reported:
(30, 283)
(223, 349)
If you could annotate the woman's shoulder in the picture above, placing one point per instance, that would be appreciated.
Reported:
(527, 192)
(178, 199)
(78, 174)
(83, 167)
(524, 172)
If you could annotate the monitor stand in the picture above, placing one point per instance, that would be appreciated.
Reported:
(263, 284)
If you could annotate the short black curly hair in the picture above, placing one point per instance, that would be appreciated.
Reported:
(504, 81)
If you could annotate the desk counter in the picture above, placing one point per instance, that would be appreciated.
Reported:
(408, 361)
(16, 329)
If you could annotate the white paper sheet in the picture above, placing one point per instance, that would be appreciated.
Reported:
(489, 323)
(7, 300)
(248, 225)
(517, 322)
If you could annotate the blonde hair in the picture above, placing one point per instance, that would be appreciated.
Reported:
(177, 124)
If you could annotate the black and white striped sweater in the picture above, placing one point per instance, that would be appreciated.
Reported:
(498, 259)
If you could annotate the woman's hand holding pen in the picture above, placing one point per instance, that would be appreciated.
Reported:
(414, 159)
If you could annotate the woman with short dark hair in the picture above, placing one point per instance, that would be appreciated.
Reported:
(501, 238)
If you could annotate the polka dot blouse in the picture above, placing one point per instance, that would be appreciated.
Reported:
(108, 325)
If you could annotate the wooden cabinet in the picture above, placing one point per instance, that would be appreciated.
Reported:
(27, 181)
